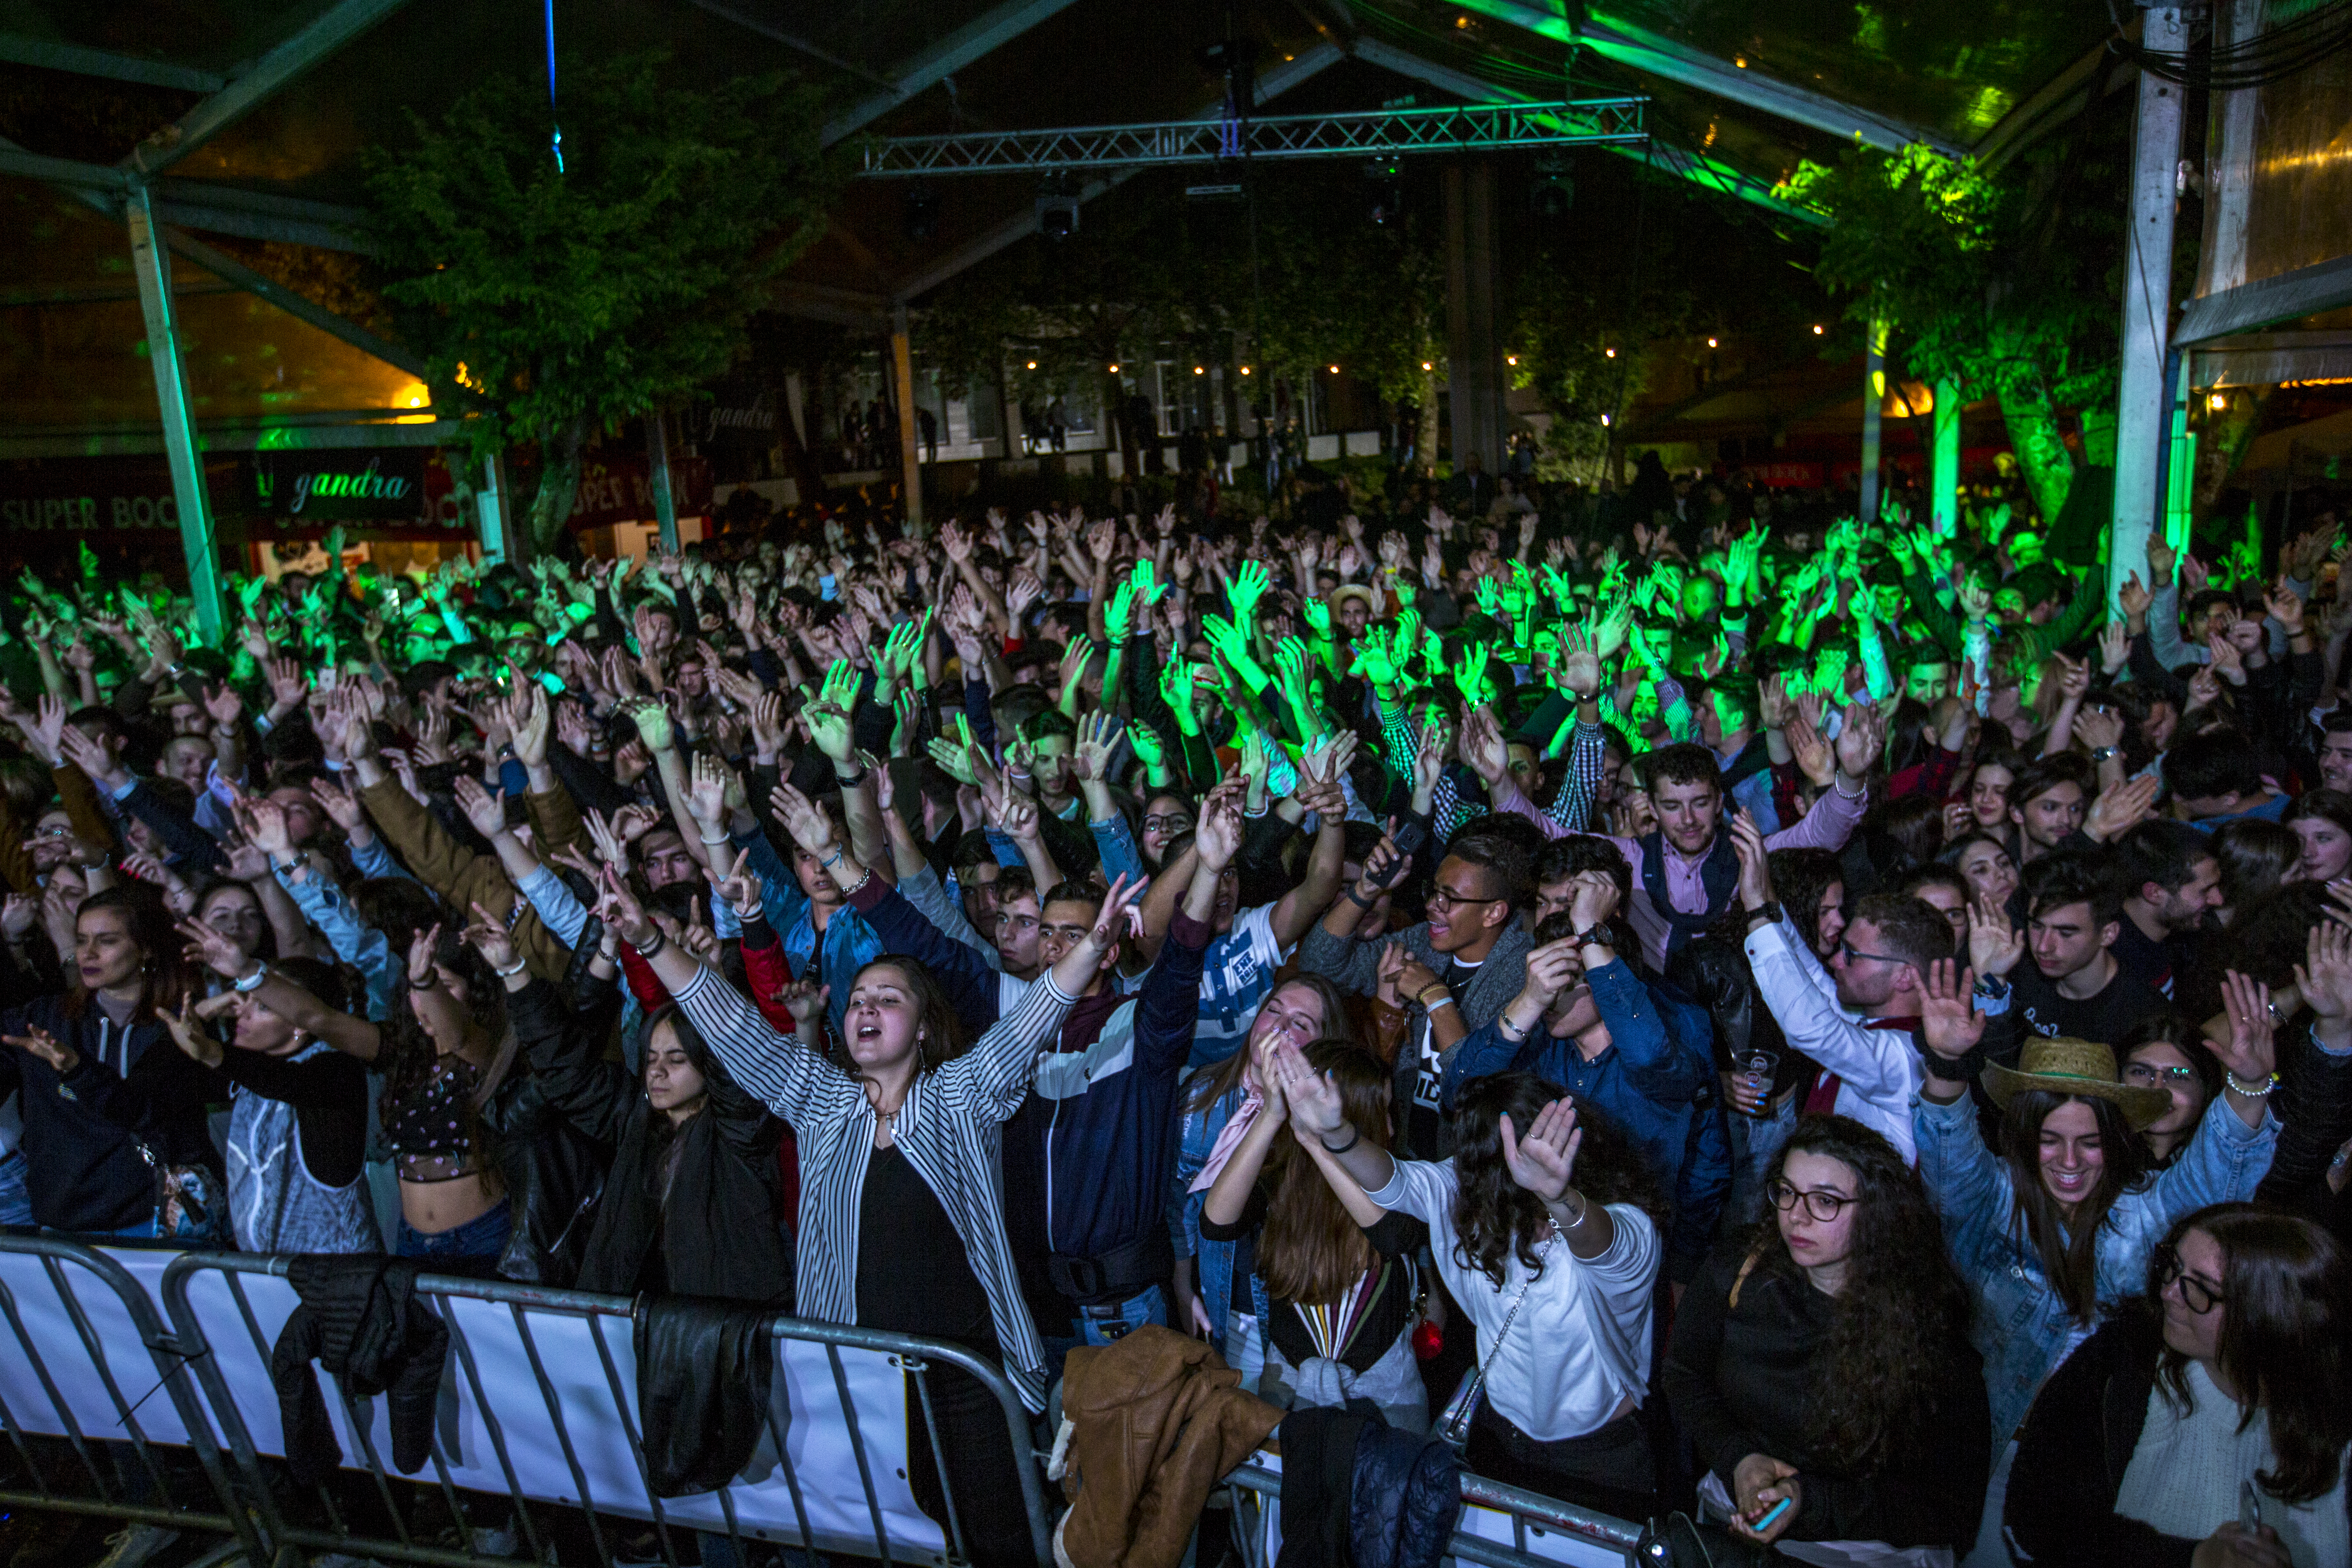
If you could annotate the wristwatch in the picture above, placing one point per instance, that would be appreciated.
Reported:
(2102, 754)
(1768, 910)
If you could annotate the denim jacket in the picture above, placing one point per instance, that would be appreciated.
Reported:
(2022, 1326)
(1212, 1261)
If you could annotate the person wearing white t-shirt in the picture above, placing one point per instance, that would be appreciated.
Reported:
(1555, 1258)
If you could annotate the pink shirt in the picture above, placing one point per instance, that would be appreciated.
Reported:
(1826, 824)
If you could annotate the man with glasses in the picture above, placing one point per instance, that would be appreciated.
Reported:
(1463, 964)
(1862, 1026)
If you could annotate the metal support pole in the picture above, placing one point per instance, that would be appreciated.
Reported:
(2180, 458)
(494, 517)
(1474, 353)
(1874, 400)
(657, 461)
(910, 451)
(2141, 406)
(1946, 483)
(151, 259)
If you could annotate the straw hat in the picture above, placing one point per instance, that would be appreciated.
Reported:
(1346, 591)
(2075, 1066)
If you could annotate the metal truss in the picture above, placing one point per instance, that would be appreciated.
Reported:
(1374, 133)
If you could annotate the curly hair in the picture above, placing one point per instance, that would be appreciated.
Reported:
(1903, 1307)
(1494, 1216)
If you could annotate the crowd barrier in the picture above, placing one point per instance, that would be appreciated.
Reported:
(139, 1389)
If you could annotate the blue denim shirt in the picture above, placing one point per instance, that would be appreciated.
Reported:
(2022, 1326)
(1656, 1081)
(1212, 1261)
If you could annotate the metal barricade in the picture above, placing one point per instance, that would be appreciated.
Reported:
(538, 1408)
(76, 1399)
(1501, 1527)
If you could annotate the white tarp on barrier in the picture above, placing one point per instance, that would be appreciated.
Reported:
(806, 1397)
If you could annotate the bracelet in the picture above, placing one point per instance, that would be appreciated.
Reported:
(1354, 1136)
(1584, 1212)
(1444, 999)
(829, 861)
(1361, 903)
(1839, 779)
(430, 983)
(1503, 1023)
(848, 780)
(722, 839)
(516, 968)
(2236, 1087)
(661, 939)
(252, 981)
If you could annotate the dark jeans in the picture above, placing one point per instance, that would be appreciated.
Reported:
(1610, 1469)
(479, 1240)
(981, 1469)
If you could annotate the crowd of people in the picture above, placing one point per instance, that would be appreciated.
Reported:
(1818, 1026)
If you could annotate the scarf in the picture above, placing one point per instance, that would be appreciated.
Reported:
(1229, 1137)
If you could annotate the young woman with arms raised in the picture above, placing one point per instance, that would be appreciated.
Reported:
(2058, 1226)
(1543, 1234)
(442, 1058)
(901, 1223)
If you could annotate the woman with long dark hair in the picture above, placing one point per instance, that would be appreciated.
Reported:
(690, 1203)
(114, 1137)
(902, 1221)
(1333, 1285)
(1545, 1231)
(1821, 1358)
(2056, 1227)
(2226, 1392)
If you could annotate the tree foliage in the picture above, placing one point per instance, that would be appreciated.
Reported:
(2006, 282)
(567, 303)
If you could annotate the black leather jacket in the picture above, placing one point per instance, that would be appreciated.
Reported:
(1713, 971)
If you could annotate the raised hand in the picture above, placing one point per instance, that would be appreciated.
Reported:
(811, 828)
(487, 935)
(1995, 946)
(1948, 1019)
(214, 951)
(1859, 743)
(1542, 1160)
(2325, 975)
(740, 887)
(195, 1042)
(2120, 807)
(1482, 746)
(1755, 868)
(486, 812)
(2251, 1053)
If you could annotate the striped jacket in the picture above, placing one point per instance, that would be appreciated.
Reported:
(950, 1131)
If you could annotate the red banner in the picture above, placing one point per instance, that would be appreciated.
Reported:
(621, 489)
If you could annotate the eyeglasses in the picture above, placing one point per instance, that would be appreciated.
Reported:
(2146, 1075)
(1174, 823)
(2198, 1294)
(1822, 1206)
(1446, 898)
(1848, 952)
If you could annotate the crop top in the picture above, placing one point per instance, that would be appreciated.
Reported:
(435, 1128)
